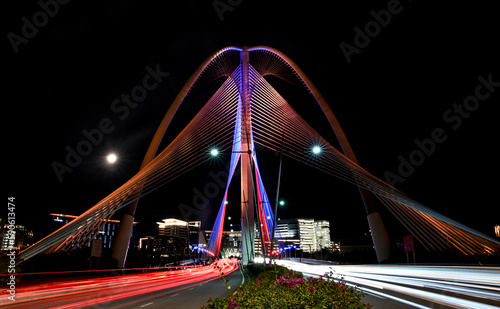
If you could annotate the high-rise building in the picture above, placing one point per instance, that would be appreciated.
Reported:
(190, 230)
(14, 237)
(173, 228)
(322, 233)
(177, 238)
(105, 232)
(230, 243)
(306, 233)
(195, 235)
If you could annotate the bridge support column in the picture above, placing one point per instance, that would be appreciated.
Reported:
(119, 247)
(380, 237)
(247, 188)
(247, 210)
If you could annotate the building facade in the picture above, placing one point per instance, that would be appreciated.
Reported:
(14, 237)
(322, 228)
(105, 229)
(175, 240)
(304, 233)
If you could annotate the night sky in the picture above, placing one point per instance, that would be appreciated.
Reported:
(408, 79)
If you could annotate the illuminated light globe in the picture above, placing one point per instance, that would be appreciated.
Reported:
(111, 158)
(214, 152)
(316, 149)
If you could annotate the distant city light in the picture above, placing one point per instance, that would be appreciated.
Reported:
(282, 203)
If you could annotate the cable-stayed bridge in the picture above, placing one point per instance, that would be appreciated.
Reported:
(244, 111)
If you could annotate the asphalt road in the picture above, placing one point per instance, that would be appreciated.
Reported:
(184, 288)
(183, 297)
(415, 286)
(386, 286)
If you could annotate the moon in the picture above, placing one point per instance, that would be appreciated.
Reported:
(111, 158)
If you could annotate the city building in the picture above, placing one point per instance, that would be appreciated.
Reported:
(304, 233)
(173, 228)
(105, 230)
(230, 243)
(14, 237)
(176, 239)
(150, 243)
(195, 236)
(188, 230)
(322, 228)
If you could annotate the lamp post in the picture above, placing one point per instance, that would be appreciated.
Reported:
(277, 199)
(316, 150)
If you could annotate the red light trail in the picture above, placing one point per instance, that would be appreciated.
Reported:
(87, 292)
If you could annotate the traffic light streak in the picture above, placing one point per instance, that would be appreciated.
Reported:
(87, 292)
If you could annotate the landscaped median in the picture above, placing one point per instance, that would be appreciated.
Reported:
(279, 287)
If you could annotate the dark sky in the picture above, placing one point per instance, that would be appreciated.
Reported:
(61, 78)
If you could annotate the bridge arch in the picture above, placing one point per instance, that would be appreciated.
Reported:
(379, 234)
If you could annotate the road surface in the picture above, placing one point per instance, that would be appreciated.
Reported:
(401, 286)
(186, 288)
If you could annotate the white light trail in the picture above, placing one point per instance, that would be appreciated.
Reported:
(478, 282)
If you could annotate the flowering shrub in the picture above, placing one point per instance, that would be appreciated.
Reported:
(281, 288)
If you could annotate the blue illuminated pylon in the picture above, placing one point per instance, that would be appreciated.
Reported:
(243, 148)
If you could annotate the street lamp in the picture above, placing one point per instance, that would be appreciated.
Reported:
(316, 150)
(277, 198)
(214, 152)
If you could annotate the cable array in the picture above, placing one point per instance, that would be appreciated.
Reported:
(187, 151)
(271, 122)
(278, 127)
